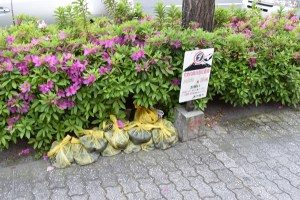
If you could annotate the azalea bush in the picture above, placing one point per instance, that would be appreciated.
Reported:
(56, 81)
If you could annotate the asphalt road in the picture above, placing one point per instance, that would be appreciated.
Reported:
(149, 5)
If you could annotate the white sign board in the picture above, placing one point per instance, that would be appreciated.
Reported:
(195, 76)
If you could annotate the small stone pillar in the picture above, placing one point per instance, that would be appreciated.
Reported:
(189, 124)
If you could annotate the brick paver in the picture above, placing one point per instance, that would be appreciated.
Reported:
(256, 157)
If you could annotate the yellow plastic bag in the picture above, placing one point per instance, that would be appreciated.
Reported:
(117, 137)
(107, 126)
(149, 146)
(145, 115)
(165, 135)
(139, 133)
(81, 155)
(61, 153)
(132, 148)
(93, 140)
(110, 151)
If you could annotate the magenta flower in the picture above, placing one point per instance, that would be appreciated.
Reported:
(51, 60)
(130, 38)
(175, 81)
(106, 57)
(24, 152)
(252, 62)
(23, 68)
(176, 44)
(11, 121)
(26, 97)
(24, 108)
(8, 66)
(89, 80)
(289, 27)
(64, 104)
(121, 124)
(138, 68)
(45, 157)
(62, 35)
(36, 61)
(247, 33)
(61, 93)
(108, 43)
(47, 87)
(103, 70)
(138, 55)
(294, 19)
(72, 90)
(10, 39)
(89, 51)
(25, 87)
(67, 56)
(34, 41)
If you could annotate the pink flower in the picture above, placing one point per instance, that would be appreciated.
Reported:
(89, 51)
(25, 87)
(10, 39)
(264, 25)
(24, 152)
(51, 60)
(103, 70)
(61, 93)
(294, 19)
(72, 90)
(121, 124)
(36, 60)
(289, 27)
(45, 157)
(24, 108)
(23, 68)
(11, 121)
(8, 66)
(252, 62)
(62, 35)
(34, 41)
(247, 33)
(64, 104)
(108, 43)
(89, 80)
(175, 81)
(67, 56)
(138, 68)
(106, 57)
(138, 55)
(176, 44)
(47, 87)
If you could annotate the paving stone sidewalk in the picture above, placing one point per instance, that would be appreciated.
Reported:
(256, 157)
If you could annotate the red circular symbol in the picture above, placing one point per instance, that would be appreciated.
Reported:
(199, 57)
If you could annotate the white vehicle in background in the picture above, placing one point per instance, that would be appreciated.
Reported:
(272, 6)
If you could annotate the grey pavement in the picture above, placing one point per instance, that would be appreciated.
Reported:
(254, 157)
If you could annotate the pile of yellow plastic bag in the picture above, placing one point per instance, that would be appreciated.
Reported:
(93, 140)
(69, 150)
(61, 154)
(165, 135)
(147, 132)
(80, 153)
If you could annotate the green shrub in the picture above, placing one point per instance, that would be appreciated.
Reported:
(55, 82)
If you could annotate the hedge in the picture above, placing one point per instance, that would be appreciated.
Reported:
(58, 80)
